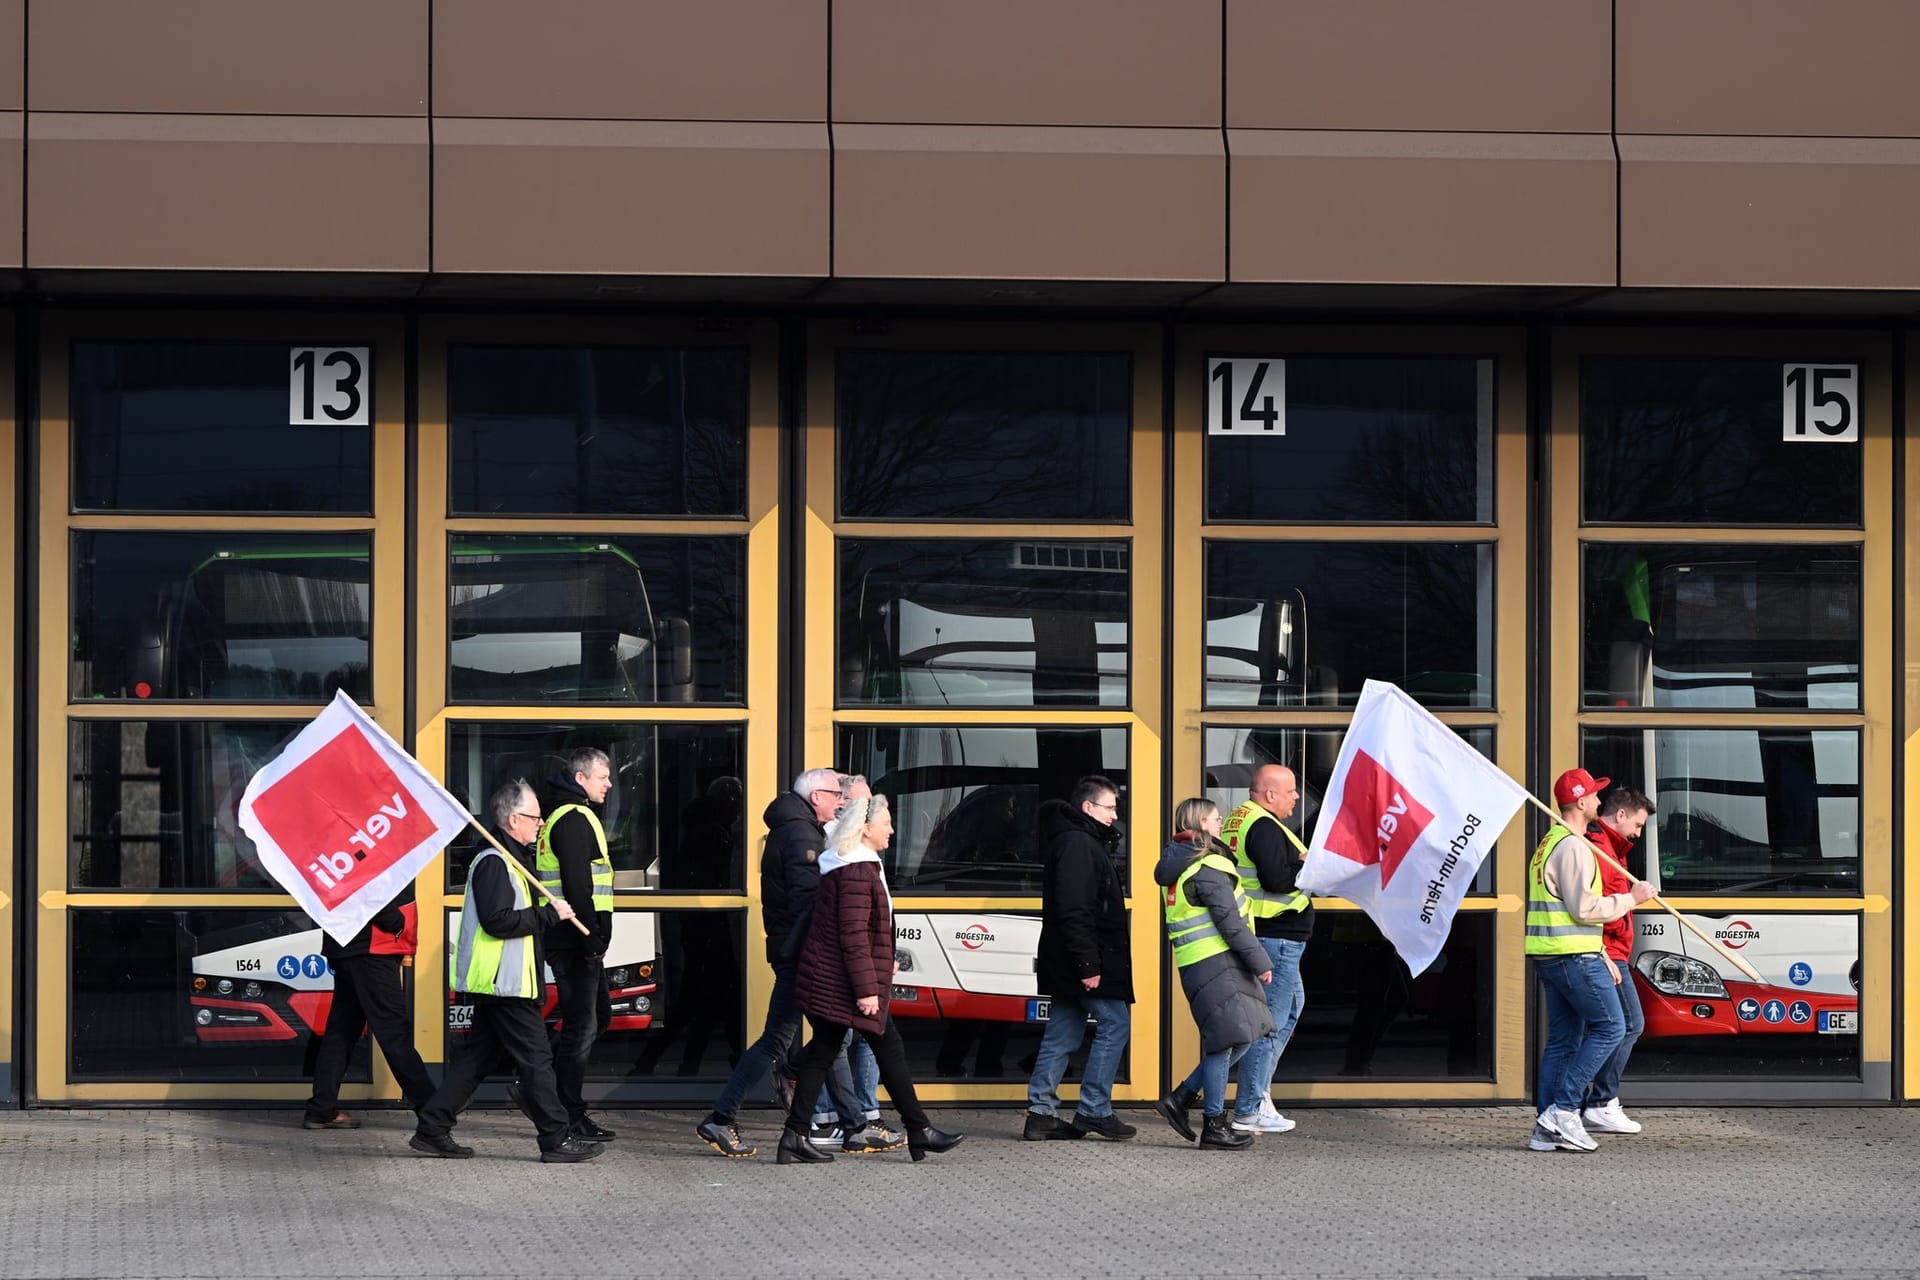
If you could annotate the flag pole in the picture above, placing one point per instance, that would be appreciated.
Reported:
(1693, 928)
(513, 865)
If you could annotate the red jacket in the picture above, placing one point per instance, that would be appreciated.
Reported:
(1618, 933)
(849, 949)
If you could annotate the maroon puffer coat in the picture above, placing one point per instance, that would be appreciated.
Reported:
(849, 948)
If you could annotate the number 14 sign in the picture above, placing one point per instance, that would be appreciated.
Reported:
(1247, 397)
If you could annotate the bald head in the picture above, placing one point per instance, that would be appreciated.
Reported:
(1275, 790)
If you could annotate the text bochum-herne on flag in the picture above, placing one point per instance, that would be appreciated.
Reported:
(344, 818)
(1410, 813)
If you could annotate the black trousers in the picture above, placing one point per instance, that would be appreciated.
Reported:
(515, 1031)
(889, 1054)
(367, 992)
(585, 1009)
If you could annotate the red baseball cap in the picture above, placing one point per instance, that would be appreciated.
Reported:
(1576, 784)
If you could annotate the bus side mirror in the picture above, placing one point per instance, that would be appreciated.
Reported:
(676, 643)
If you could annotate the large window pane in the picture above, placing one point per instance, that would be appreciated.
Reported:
(1234, 752)
(588, 619)
(238, 617)
(598, 430)
(966, 799)
(1706, 1020)
(1020, 436)
(153, 804)
(973, 623)
(1721, 625)
(1667, 440)
(203, 426)
(1741, 811)
(1370, 439)
(673, 817)
(1293, 624)
(197, 995)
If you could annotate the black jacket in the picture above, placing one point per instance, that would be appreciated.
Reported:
(789, 873)
(1278, 863)
(491, 885)
(389, 921)
(575, 849)
(1083, 929)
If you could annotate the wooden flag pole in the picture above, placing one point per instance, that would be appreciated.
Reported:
(1691, 927)
(513, 865)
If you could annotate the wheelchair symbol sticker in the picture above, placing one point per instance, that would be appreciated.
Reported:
(1800, 1012)
(289, 967)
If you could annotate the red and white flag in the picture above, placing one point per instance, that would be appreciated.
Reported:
(1410, 813)
(344, 818)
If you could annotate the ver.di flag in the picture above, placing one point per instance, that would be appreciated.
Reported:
(1410, 813)
(344, 818)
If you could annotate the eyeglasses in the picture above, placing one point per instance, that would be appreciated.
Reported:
(1111, 806)
(827, 791)
(530, 817)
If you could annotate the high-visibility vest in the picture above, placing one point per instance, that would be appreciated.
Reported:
(1190, 926)
(1266, 903)
(1551, 929)
(479, 963)
(548, 866)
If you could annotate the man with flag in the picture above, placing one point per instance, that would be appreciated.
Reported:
(1263, 849)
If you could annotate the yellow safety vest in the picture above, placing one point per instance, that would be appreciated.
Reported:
(549, 866)
(481, 964)
(1551, 929)
(1266, 904)
(1190, 926)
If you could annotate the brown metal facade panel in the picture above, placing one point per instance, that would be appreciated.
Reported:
(1003, 203)
(263, 57)
(1027, 62)
(1842, 68)
(227, 193)
(1790, 213)
(1422, 208)
(631, 198)
(13, 55)
(631, 59)
(13, 176)
(1466, 65)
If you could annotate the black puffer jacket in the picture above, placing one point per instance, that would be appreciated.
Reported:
(1083, 930)
(789, 873)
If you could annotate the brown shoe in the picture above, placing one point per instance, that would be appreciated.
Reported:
(338, 1120)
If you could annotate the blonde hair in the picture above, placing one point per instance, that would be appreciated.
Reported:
(1188, 816)
(853, 820)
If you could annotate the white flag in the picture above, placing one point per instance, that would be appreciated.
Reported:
(1409, 815)
(344, 818)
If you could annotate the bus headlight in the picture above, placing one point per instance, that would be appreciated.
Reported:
(1673, 975)
(224, 986)
(204, 1017)
(251, 991)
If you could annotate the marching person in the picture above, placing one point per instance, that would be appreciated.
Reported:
(1269, 865)
(574, 864)
(496, 965)
(1566, 912)
(368, 991)
(1222, 968)
(1085, 962)
(843, 982)
(1623, 816)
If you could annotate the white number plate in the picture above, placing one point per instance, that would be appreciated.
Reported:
(1839, 1022)
(459, 1017)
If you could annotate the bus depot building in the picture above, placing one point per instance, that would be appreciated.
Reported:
(973, 396)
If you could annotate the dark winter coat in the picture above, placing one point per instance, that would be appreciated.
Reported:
(576, 850)
(789, 873)
(848, 953)
(1083, 908)
(1229, 1004)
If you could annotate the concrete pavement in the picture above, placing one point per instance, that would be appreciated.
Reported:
(1812, 1192)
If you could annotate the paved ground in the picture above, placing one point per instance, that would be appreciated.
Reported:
(1827, 1193)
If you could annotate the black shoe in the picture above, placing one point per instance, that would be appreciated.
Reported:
(586, 1130)
(930, 1141)
(783, 1087)
(724, 1138)
(1041, 1128)
(1173, 1109)
(572, 1151)
(1218, 1132)
(1109, 1126)
(794, 1147)
(442, 1145)
(338, 1120)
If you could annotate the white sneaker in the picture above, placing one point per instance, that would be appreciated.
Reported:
(830, 1136)
(1541, 1140)
(1566, 1126)
(1608, 1117)
(1272, 1121)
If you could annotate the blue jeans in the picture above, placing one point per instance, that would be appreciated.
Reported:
(1209, 1079)
(771, 1049)
(1584, 1026)
(1285, 998)
(1606, 1084)
(1066, 1031)
(854, 1078)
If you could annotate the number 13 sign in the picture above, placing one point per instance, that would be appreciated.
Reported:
(327, 387)
(1247, 397)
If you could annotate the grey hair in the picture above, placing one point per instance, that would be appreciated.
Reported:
(814, 780)
(853, 820)
(584, 758)
(506, 801)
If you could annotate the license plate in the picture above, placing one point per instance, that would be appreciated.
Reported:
(1038, 1010)
(459, 1017)
(1839, 1022)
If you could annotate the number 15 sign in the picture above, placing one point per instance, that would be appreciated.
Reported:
(1247, 397)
